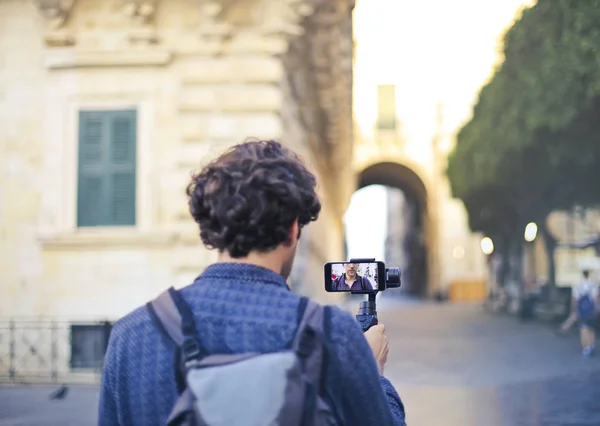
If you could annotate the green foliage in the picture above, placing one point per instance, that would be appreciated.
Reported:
(533, 142)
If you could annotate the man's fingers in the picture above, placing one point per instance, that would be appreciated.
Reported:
(380, 329)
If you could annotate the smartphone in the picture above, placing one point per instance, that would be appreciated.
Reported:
(360, 278)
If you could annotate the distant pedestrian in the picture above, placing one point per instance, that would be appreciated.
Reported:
(586, 304)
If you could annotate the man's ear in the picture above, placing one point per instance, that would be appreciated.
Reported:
(294, 234)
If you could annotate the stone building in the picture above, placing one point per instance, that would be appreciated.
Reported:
(106, 106)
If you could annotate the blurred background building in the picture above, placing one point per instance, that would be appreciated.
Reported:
(107, 106)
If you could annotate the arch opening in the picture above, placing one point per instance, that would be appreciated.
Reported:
(387, 219)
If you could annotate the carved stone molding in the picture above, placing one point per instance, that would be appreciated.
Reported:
(142, 13)
(56, 13)
(283, 17)
(231, 24)
(60, 60)
(213, 25)
(107, 238)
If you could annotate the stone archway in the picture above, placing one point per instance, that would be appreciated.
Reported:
(417, 233)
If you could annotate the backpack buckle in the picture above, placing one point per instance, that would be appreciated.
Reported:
(190, 348)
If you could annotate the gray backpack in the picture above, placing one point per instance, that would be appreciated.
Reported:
(252, 389)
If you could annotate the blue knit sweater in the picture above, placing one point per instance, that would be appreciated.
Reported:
(238, 308)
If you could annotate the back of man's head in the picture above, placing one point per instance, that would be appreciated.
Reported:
(586, 274)
(248, 199)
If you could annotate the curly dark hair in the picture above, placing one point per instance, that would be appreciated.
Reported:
(248, 198)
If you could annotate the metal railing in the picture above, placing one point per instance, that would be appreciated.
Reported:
(42, 351)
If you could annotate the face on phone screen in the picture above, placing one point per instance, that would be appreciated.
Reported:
(353, 277)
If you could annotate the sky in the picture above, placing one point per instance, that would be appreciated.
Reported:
(433, 51)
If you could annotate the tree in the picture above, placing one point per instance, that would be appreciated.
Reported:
(533, 143)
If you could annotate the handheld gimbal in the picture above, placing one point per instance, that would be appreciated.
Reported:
(367, 313)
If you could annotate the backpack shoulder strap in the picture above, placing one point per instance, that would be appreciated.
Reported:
(166, 317)
(175, 319)
(309, 342)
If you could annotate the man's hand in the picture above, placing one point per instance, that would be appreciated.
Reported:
(378, 341)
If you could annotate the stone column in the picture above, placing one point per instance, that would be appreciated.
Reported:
(317, 117)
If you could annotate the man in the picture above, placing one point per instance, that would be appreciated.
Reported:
(351, 281)
(251, 205)
(585, 303)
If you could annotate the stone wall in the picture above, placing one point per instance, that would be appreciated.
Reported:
(202, 78)
(22, 92)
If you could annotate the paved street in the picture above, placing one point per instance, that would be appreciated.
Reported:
(452, 364)
(456, 365)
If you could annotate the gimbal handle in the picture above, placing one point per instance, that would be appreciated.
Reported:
(367, 314)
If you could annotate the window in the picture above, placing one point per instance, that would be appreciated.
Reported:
(88, 345)
(386, 107)
(107, 168)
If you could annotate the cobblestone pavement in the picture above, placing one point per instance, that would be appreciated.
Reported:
(452, 365)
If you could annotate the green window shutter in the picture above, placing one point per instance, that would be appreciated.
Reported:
(122, 165)
(107, 168)
(91, 188)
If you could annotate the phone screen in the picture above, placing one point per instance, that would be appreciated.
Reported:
(354, 277)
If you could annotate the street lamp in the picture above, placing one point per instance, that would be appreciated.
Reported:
(487, 246)
(531, 232)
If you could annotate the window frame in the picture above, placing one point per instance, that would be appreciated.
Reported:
(67, 144)
(100, 338)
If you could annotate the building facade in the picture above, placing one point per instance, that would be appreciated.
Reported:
(108, 106)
